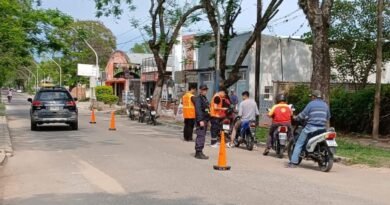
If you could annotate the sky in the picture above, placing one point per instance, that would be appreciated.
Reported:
(289, 21)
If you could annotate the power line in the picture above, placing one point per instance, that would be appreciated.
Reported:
(286, 16)
(299, 28)
(287, 20)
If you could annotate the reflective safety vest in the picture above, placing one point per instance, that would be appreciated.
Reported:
(188, 106)
(213, 111)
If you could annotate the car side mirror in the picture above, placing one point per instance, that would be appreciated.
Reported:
(29, 100)
(75, 99)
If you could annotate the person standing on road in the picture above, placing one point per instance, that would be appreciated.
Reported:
(189, 113)
(317, 115)
(217, 113)
(202, 119)
(9, 95)
(233, 98)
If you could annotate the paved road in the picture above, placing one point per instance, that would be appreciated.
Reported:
(140, 164)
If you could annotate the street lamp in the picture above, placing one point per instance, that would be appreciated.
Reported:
(97, 64)
(58, 67)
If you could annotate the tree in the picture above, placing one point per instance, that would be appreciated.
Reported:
(318, 14)
(231, 10)
(379, 43)
(353, 39)
(74, 50)
(140, 48)
(25, 30)
(167, 19)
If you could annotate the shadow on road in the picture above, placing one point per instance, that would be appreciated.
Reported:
(139, 198)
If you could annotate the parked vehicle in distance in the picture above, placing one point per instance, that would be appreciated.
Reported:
(53, 105)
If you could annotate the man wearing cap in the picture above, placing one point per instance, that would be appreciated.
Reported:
(317, 115)
(202, 118)
(189, 112)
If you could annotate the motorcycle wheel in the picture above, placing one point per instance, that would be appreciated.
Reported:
(281, 149)
(326, 164)
(290, 150)
(249, 143)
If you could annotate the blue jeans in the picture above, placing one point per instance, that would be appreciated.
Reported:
(301, 142)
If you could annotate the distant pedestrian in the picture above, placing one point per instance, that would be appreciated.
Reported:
(189, 112)
(202, 118)
(233, 98)
(9, 95)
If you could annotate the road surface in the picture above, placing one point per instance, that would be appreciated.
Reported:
(140, 164)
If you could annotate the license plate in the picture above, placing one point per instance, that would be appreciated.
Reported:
(282, 136)
(331, 143)
(153, 112)
(54, 108)
(226, 127)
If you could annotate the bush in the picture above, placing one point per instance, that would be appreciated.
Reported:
(352, 111)
(109, 99)
(103, 90)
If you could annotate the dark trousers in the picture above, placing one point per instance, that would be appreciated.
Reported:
(200, 137)
(215, 129)
(272, 129)
(188, 129)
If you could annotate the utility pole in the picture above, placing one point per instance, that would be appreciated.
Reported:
(379, 41)
(218, 42)
(258, 52)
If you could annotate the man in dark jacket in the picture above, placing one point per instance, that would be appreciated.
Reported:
(202, 118)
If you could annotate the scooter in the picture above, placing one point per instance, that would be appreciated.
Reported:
(320, 146)
(246, 134)
(151, 115)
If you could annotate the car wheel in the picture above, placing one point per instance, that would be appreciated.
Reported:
(74, 126)
(33, 126)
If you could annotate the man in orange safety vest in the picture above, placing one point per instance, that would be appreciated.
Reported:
(188, 101)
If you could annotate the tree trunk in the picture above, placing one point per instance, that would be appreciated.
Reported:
(377, 108)
(318, 15)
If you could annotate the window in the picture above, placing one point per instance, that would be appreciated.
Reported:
(268, 90)
(206, 76)
(242, 75)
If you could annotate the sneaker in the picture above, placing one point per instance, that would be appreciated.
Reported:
(230, 145)
(266, 151)
(215, 145)
(291, 165)
(200, 155)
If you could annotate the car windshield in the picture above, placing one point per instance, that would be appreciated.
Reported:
(53, 96)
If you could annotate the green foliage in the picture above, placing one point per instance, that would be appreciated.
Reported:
(103, 90)
(352, 37)
(351, 110)
(109, 99)
(299, 97)
(140, 48)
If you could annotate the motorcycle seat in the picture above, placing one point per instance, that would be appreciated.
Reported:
(315, 133)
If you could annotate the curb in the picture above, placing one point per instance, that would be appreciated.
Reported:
(6, 146)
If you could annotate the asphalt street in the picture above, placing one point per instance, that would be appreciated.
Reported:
(141, 164)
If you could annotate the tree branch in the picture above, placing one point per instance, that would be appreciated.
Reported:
(210, 11)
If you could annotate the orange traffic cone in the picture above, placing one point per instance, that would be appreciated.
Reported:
(93, 118)
(222, 155)
(112, 123)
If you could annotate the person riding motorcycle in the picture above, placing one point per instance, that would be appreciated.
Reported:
(247, 111)
(281, 116)
(317, 115)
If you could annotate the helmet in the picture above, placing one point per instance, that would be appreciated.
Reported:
(147, 99)
(280, 98)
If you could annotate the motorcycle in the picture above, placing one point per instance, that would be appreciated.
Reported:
(246, 134)
(280, 139)
(151, 115)
(132, 110)
(142, 112)
(320, 146)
